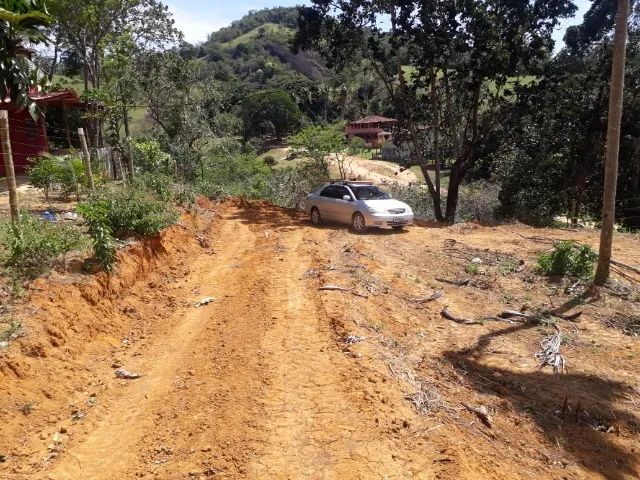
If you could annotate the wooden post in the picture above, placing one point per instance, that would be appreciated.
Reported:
(87, 160)
(65, 116)
(8, 166)
(613, 143)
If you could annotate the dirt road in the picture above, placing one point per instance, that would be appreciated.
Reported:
(264, 382)
(379, 171)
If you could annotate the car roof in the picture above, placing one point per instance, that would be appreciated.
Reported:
(347, 183)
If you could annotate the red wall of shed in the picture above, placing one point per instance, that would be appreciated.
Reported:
(28, 139)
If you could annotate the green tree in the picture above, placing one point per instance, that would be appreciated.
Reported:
(270, 113)
(191, 114)
(22, 22)
(323, 145)
(91, 30)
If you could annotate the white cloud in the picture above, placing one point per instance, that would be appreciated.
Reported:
(196, 25)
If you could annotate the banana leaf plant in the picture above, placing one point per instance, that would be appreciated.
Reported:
(21, 25)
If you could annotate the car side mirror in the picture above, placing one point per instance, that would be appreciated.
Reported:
(347, 198)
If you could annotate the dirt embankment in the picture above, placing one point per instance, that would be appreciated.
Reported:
(275, 379)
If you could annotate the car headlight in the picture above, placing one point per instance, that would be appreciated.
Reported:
(375, 209)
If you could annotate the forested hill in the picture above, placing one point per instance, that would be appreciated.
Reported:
(255, 49)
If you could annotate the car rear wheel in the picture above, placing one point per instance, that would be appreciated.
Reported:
(316, 219)
(357, 223)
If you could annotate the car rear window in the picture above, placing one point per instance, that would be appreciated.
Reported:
(370, 193)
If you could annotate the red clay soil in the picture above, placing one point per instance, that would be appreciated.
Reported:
(276, 379)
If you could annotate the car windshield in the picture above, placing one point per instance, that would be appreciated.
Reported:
(370, 193)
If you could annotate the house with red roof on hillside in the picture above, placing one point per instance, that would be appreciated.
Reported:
(374, 130)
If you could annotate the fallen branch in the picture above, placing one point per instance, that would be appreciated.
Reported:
(457, 283)
(464, 321)
(570, 317)
(481, 412)
(508, 314)
(343, 289)
(435, 296)
(626, 265)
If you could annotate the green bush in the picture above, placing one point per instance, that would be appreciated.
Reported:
(235, 175)
(269, 160)
(131, 211)
(44, 173)
(288, 187)
(30, 248)
(568, 258)
(478, 202)
(72, 176)
(149, 157)
(95, 214)
(49, 172)
(160, 184)
(121, 213)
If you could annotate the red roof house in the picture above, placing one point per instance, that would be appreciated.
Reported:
(374, 130)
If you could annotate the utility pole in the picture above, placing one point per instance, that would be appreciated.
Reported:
(8, 166)
(87, 160)
(613, 143)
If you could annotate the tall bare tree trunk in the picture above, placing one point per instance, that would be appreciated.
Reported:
(613, 143)
(8, 166)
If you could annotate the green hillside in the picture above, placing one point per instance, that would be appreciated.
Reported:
(256, 49)
(270, 31)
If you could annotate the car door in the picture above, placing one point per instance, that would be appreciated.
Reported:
(343, 208)
(326, 203)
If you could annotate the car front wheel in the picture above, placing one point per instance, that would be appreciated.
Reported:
(357, 223)
(316, 219)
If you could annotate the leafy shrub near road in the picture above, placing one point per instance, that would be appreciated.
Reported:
(568, 258)
(32, 247)
(477, 201)
(148, 156)
(288, 187)
(48, 172)
(235, 175)
(121, 213)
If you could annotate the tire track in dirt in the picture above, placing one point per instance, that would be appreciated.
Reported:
(315, 427)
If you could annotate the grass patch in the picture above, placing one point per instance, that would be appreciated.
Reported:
(30, 248)
(13, 331)
(271, 31)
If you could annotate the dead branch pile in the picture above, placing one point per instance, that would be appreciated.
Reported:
(426, 398)
(549, 353)
(627, 324)
(457, 249)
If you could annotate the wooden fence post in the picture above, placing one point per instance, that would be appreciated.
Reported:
(87, 160)
(8, 166)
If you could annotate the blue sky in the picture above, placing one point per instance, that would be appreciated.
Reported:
(198, 18)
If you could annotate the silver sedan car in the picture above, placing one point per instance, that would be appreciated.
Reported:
(359, 204)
